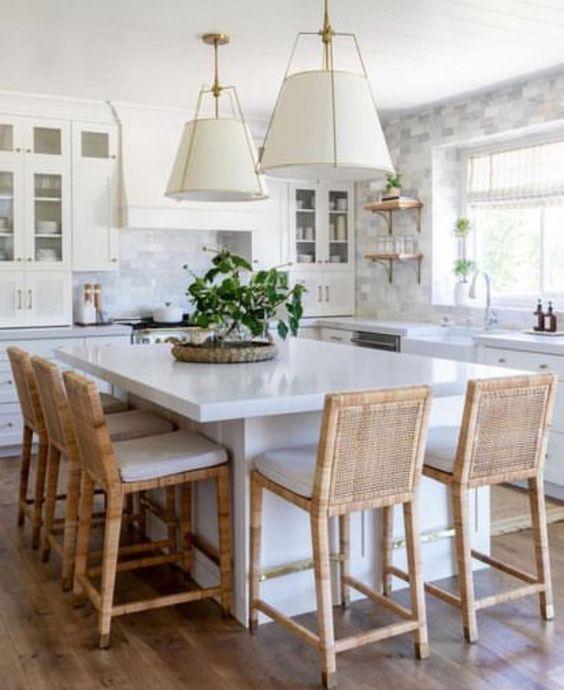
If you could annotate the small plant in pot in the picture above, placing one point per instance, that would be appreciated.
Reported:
(393, 185)
(463, 267)
(233, 306)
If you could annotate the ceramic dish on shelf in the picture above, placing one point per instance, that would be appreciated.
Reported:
(47, 254)
(305, 258)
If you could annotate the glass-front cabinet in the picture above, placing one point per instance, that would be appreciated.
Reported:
(34, 194)
(321, 222)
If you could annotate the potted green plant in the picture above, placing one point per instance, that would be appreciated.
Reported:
(393, 185)
(233, 306)
(463, 267)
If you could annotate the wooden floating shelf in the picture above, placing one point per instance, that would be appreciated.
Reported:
(388, 260)
(386, 209)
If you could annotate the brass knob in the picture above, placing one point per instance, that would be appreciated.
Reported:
(29, 258)
(19, 258)
(28, 150)
(114, 261)
(17, 150)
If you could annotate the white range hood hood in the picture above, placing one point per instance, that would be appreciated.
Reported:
(150, 138)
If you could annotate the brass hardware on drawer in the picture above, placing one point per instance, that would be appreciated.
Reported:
(19, 258)
(28, 150)
(8, 382)
(29, 258)
(501, 360)
(114, 261)
(543, 366)
(8, 425)
(337, 338)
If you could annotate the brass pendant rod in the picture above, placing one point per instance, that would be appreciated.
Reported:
(216, 87)
(326, 34)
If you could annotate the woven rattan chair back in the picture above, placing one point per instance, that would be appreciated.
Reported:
(504, 431)
(95, 448)
(371, 448)
(55, 406)
(26, 388)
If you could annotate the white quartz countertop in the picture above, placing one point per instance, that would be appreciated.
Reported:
(296, 381)
(64, 332)
(352, 323)
(516, 340)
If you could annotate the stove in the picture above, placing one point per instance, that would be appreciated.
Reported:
(146, 331)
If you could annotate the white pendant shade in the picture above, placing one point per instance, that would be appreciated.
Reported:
(216, 161)
(325, 126)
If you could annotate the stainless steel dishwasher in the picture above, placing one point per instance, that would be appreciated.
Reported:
(377, 341)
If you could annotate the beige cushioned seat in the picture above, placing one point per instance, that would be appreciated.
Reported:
(441, 447)
(160, 456)
(293, 468)
(123, 426)
(111, 405)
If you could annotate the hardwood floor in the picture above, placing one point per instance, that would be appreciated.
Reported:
(45, 644)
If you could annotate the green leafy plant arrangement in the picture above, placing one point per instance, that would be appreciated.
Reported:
(463, 269)
(393, 181)
(238, 303)
(462, 227)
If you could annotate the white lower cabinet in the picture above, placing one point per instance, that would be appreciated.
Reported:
(328, 293)
(35, 298)
(11, 423)
(335, 335)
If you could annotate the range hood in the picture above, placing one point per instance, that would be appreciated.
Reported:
(149, 141)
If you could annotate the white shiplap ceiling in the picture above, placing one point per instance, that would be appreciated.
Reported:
(148, 51)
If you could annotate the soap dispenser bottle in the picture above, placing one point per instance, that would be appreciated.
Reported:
(539, 313)
(551, 326)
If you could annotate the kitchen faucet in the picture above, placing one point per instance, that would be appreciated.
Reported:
(490, 318)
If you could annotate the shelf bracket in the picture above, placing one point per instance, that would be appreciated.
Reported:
(388, 264)
(388, 217)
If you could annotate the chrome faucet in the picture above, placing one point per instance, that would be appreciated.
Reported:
(490, 318)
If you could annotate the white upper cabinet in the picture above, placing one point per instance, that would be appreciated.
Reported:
(321, 226)
(35, 228)
(95, 197)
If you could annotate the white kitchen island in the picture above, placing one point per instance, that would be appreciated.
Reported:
(253, 407)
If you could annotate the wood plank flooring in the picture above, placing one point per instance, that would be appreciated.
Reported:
(45, 644)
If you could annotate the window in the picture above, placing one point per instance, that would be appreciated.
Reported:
(515, 200)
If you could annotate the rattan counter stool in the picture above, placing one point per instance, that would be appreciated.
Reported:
(62, 443)
(503, 438)
(167, 461)
(34, 424)
(369, 456)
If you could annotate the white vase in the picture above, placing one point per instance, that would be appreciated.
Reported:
(462, 294)
(393, 192)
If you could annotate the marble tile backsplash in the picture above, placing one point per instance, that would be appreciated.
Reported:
(150, 270)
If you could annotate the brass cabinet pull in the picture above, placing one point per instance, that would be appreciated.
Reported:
(501, 360)
(30, 299)
(19, 294)
(319, 296)
(543, 366)
(327, 293)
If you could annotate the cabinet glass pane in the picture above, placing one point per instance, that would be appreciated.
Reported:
(305, 226)
(95, 145)
(6, 216)
(47, 140)
(6, 138)
(338, 227)
(48, 218)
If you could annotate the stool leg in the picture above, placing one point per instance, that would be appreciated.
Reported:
(320, 539)
(171, 518)
(39, 492)
(540, 535)
(255, 543)
(142, 513)
(109, 565)
(224, 525)
(386, 548)
(83, 535)
(24, 473)
(186, 526)
(345, 554)
(464, 560)
(71, 525)
(416, 586)
(53, 462)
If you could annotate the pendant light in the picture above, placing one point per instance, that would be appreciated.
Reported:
(325, 125)
(217, 158)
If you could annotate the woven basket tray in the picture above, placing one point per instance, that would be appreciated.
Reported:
(224, 354)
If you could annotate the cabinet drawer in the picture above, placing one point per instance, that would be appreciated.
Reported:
(8, 392)
(554, 467)
(334, 335)
(530, 361)
(42, 347)
(11, 425)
